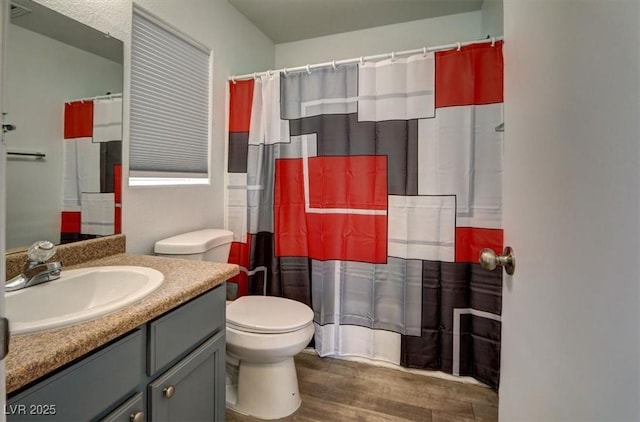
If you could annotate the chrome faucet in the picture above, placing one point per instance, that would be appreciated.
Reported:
(36, 269)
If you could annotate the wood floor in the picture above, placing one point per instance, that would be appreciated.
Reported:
(339, 390)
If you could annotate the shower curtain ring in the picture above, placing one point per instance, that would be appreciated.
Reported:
(284, 71)
(255, 75)
(270, 73)
(309, 69)
(424, 51)
(393, 56)
(361, 60)
(233, 79)
(334, 65)
(493, 41)
(459, 45)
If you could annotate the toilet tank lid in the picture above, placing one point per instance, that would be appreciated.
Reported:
(193, 242)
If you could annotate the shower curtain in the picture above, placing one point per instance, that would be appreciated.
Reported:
(366, 191)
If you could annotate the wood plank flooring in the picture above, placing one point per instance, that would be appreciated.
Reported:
(340, 390)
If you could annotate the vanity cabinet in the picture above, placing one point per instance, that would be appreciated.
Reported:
(81, 391)
(169, 369)
(131, 411)
(191, 384)
(192, 390)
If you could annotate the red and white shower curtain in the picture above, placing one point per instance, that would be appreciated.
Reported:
(367, 191)
(92, 151)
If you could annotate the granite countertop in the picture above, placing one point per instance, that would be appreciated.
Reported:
(32, 356)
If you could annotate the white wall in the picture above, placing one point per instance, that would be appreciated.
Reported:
(382, 39)
(42, 74)
(492, 18)
(571, 313)
(150, 214)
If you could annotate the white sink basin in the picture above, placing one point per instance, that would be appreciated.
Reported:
(78, 295)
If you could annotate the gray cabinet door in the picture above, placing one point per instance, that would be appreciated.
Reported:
(193, 389)
(131, 410)
(85, 389)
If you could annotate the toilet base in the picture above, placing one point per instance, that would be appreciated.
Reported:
(267, 390)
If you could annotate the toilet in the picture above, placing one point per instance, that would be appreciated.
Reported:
(263, 335)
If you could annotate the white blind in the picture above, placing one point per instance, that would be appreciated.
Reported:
(169, 102)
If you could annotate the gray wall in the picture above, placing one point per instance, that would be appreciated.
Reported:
(382, 39)
(492, 18)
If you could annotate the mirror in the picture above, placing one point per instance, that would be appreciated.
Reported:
(64, 97)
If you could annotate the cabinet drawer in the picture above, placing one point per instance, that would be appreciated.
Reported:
(193, 389)
(127, 411)
(82, 391)
(174, 334)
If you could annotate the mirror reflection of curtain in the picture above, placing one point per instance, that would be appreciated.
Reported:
(92, 169)
(367, 191)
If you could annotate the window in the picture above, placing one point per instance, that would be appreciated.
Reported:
(170, 101)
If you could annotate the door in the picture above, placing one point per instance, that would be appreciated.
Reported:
(571, 322)
(4, 21)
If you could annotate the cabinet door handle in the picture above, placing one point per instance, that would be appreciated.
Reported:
(137, 417)
(169, 391)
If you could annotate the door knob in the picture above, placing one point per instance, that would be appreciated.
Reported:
(489, 260)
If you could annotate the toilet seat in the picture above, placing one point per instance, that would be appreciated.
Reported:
(268, 315)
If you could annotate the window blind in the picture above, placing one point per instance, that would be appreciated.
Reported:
(169, 126)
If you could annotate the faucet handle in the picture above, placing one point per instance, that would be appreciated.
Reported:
(41, 251)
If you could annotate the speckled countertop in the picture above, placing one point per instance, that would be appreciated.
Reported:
(32, 356)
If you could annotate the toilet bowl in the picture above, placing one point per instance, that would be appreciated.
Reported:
(263, 334)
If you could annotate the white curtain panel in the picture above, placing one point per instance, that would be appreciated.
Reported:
(266, 126)
(435, 216)
(98, 213)
(460, 153)
(81, 170)
(237, 205)
(401, 88)
(107, 120)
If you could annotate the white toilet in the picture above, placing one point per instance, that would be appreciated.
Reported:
(263, 335)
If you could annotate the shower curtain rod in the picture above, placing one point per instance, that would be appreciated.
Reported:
(98, 97)
(335, 63)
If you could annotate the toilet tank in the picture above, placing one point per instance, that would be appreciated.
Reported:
(211, 245)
